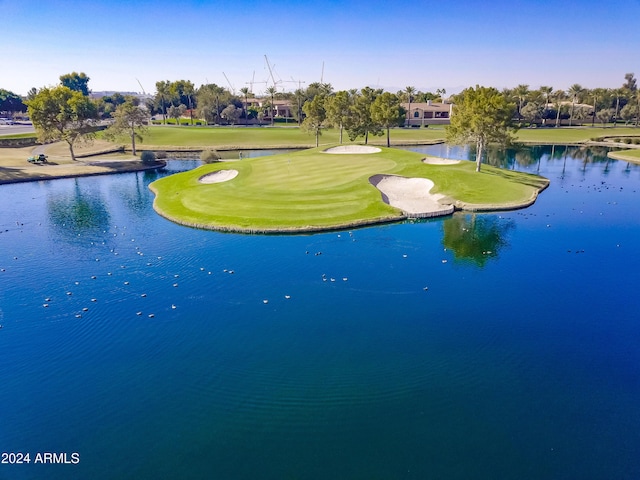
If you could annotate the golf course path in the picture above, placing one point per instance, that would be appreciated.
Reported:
(411, 195)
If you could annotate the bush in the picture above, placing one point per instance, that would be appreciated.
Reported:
(161, 154)
(636, 141)
(627, 141)
(209, 156)
(148, 157)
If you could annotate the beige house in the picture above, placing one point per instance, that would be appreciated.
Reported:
(427, 113)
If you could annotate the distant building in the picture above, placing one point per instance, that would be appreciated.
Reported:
(427, 113)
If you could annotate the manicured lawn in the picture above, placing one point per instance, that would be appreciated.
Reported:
(237, 138)
(310, 190)
(231, 138)
(571, 134)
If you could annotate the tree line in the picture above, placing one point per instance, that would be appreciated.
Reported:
(65, 112)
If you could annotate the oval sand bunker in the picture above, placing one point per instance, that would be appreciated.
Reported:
(219, 176)
(411, 195)
(348, 149)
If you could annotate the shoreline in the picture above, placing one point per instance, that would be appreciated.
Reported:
(110, 166)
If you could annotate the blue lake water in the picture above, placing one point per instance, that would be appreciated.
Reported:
(498, 346)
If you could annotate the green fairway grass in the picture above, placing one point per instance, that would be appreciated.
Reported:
(237, 138)
(311, 190)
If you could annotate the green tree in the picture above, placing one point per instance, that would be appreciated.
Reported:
(78, 82)
(604, 115)
(128, 119)
(387, 112)
(211, 99)
(182, 92)
(10, 102)
(481, 115)
(177, 112)
(630, 82)
(360, 120)
(61, 114)
(315, 116)
(338, 110)
(231, 114)
(531, 112)
(628, 113)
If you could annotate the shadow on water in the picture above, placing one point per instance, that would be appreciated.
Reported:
(475, 238)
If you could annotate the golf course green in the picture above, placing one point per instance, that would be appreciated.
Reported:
(313, 190)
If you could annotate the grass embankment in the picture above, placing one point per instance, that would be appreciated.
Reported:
(311, 190)
(626, 155)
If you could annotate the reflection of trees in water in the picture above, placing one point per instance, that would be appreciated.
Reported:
(475, 238)
(526, 156)
(135, 193)
(78, 212)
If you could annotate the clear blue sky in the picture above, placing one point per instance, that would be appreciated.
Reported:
(391, 44)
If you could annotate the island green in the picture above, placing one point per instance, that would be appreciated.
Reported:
(311, 190)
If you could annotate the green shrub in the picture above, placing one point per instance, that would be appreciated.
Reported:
(636, 141)
(148, 157)
(161, 154)
(209, 156)
(627, 141)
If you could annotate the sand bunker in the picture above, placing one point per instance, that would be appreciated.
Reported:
(439, 161)
(348, 149)
(219, 176)
(411, 195)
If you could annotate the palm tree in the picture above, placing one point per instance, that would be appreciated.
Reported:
(245, 91)
(574, 92)
(189, 91)
(162, 89)
(558, 96)
(410, 92)
(521, 92)
(618, 92)
(596, 93)
(272, 90)
(546, 91)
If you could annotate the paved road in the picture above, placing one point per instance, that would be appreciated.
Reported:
(15, 129)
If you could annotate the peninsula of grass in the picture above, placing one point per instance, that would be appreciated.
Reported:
(311, 190)
(626, 155)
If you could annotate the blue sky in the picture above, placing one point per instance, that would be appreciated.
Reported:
(391, 44)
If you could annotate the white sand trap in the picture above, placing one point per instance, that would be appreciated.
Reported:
(439, 161)
(411, 195)
(219, 176)
(349, 149)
